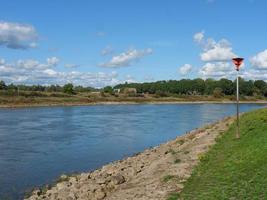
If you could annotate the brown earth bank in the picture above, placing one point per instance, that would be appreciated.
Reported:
(152, 174)
(74, 103)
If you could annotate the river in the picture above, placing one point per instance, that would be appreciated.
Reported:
(39, 144)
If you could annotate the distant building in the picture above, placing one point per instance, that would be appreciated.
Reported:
(117, 90)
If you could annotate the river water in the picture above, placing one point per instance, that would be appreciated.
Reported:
(39, 144)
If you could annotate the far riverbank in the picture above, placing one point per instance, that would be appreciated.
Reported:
(74, 103)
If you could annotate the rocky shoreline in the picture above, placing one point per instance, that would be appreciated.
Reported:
(152, 174)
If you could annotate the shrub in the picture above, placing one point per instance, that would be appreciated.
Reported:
(68, 89)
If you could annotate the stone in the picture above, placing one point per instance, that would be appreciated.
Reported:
(118, 179)
(93, 187)
(84, 176)
(63, 177)
(100, 194)
(61, 185)
(100, 180)
(131, 172)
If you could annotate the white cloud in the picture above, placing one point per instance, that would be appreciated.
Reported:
(35, 72)
(34, 64)
(28, 64)
(217, 70)
(127, 58)
(259, 61)
(50, 72)
(107, 50)
(212, 50)
(2, 61)
(254, 75)
(185, 69)
(130, 79)
(217, 53)
(53, 61)
(17, 36)
(198, 37)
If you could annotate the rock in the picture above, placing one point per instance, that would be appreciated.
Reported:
(61, 185)
(118, 179)
(77, 186)
(71, 196)
(63, 177)
(100, 194)
(108, 169)
(84, 176)
(131, 172)
(37, 192)
(100, 180)
(92, 187)
(73, 179)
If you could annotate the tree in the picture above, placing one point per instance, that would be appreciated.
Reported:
(108, 89)
(261, 85)
(3, 85)
(218, 92)
(264, 91)
(227, 86)
(68, 88)
(210, 85)
(246, 87)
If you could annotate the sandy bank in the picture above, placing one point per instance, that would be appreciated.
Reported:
(152, 174)
(125, 103)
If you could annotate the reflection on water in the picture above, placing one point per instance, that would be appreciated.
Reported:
(39, 144)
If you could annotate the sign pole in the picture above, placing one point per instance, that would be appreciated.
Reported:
(238, 62)
(237, 106)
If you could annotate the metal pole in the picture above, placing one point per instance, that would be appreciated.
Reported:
(237, 106)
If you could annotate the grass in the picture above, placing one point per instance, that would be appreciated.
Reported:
(173, 196)
(186, 152)
(172, 151)
(167, 178)
(181, 141)
(176, 161)
(233, 168)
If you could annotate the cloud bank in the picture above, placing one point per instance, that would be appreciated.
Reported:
(127, 58)
(17, 36)
(44, 73)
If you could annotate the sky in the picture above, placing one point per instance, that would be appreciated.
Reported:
(107, 42)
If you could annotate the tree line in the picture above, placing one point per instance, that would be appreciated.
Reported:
(161, 88)
(67, 88)
(199, 87)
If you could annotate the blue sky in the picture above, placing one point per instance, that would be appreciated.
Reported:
(100, 43)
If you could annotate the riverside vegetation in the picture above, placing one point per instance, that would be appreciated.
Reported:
(234, 169)
(160, 91)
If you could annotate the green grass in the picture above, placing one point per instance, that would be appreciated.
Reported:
(233, 168)
(167, 178)
(176, 161)
(172, 152)
(173, 196)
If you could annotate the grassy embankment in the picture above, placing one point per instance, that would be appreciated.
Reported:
(233, 168)
(58, 98)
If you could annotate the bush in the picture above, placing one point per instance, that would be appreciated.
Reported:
(68, 89)
(218, 92)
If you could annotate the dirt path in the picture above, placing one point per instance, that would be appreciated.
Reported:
(152, 174)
